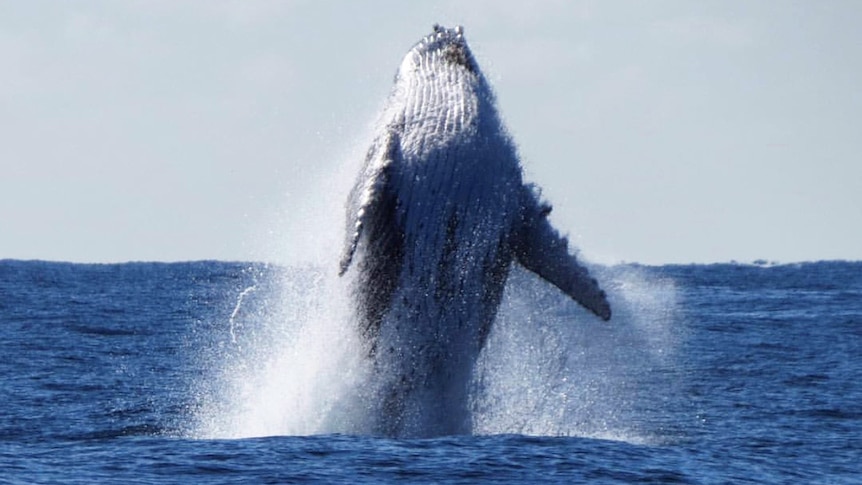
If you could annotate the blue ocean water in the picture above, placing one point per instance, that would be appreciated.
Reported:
(213, 372)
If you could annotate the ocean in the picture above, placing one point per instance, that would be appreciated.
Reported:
(217, 372)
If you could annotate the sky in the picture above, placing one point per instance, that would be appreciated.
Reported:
(662, 131)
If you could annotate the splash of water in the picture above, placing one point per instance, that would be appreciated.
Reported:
(290, 366)
(296, 364)
(236, 309)
(551, 369)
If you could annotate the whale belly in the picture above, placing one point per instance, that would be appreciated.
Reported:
(456, 219)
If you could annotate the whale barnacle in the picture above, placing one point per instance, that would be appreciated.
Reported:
(455, 53)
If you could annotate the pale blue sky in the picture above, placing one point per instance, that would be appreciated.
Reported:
(669, 131)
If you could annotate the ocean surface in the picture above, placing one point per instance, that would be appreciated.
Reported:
(213, 372)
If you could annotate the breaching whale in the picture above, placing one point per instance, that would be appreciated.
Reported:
(438, 214)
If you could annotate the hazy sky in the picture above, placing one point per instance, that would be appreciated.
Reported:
(670, 131)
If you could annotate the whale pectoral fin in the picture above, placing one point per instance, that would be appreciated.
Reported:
(543, 251)
(349, 250)
(368, 195)
(364, 202)
(355, 226)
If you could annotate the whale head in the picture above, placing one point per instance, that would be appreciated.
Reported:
(442, 50)
(441, 94)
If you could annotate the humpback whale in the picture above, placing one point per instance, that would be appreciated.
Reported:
(438, 214)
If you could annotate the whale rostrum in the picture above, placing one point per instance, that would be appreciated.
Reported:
(437, 216)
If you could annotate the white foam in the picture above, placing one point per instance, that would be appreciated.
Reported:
(549, 368)
(290, 369)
